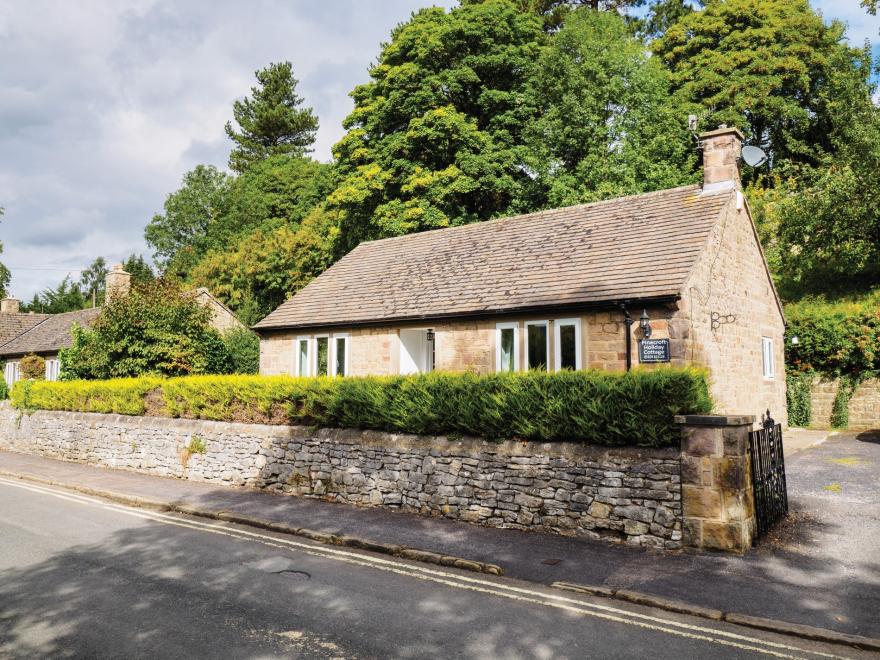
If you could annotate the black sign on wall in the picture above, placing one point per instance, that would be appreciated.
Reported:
(653, 350)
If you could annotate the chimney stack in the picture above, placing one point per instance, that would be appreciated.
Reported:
(118, 283)
(721, 153)
(9, 305)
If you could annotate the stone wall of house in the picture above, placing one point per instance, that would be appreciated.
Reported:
(624, 494)
(730, 303)
(864, 405)
(276, 353)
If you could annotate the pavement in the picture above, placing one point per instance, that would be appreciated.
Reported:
(84, 578)
(819, 568)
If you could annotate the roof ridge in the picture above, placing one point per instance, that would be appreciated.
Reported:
(533, 214)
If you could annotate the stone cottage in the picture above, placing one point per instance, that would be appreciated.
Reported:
(675, 276)
(46, 334)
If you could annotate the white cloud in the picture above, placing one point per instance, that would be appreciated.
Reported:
(106, 105)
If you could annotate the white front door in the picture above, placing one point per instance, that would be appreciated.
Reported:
(416, 352)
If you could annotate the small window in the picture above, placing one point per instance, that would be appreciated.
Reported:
(340, 357)
(9, 373)
(506, 347)
(537, 347)
(769, 365)
(52, 369)
(322, 356)
(568, 344)
(302, 357)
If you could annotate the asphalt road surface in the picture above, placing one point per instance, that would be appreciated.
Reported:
(85, 578)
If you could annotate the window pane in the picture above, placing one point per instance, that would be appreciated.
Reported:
(340, 356)
(507, 349)
(567, 347)
(323, 355)
(303, 358)
(537, 341)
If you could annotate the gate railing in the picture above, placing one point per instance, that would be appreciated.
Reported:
(768, 475)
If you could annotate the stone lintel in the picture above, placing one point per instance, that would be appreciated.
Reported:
(715, 420)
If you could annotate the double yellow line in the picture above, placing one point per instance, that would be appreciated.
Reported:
(495, 587)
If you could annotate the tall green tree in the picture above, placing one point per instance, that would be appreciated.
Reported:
(435, 137)
(93, 280)
(271, 121)
(66, 297)
(762, 66)
(179, 236)
(138, 268)
(606, 126)
(5, 274)
(553, 12)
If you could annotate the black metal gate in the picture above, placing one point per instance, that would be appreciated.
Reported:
(768, 474)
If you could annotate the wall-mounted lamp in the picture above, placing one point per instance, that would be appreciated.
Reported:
(795, 341)
(645, 323)
(429, 335)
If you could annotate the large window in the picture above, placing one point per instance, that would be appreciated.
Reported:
(340, 355)
(322, 356)
(302, 356)
(568, 344)
(768, 360)
(537, 345)
(11, 373)
(507, 347)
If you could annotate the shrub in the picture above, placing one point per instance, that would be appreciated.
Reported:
(835, 339)
(594, 407)
(154, 330)
(33, 367)
(4, 390)
(797, 395)
(243, 348)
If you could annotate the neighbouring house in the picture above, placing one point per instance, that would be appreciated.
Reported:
(675, 276)
(46, 334)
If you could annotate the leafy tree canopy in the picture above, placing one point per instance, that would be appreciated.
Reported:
(66, 297)
(765, 68)
(179, 236)
(266, 267)
(156, 329)
(271, 121)
(93, 280)
(138, 268)
(435, 137)
(606, 126)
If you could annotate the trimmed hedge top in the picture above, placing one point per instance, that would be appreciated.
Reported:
(595, 407)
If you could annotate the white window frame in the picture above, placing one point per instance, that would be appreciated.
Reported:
(313, 356)
(511, 325)
(53, 369)
(546, 324)
(309, 352)
(557, 340)
(768, 359)
(333, 340)
(10, 372)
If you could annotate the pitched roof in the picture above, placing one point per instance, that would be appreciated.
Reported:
(12, 325)
(51, 334)
(629, 248)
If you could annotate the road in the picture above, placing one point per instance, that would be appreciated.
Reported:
(81, 577)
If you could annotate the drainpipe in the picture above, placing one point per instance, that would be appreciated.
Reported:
(628, 320)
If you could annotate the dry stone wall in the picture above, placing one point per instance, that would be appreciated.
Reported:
(864, 406)
(624, 494)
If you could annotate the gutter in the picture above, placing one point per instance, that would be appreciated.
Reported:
(476, 315)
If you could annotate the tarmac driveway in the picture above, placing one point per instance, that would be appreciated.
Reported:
(833, 534)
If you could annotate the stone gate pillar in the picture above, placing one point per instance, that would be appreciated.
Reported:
(716, 483)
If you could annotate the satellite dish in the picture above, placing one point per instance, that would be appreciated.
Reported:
(753, 156)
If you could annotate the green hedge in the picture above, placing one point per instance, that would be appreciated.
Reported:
(595, 407)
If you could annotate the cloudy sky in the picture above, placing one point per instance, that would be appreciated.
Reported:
(104, 105)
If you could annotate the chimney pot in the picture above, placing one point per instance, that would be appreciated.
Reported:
(118, 283)
(721, 152)
(9, 305)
